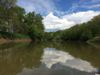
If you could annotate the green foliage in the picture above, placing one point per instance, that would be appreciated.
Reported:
(83, 32)
(7, 35)
(14, 22)
(34, 26)
(86, 35)
(20, 36)
(18, 19)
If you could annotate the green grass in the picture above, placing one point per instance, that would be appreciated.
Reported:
(9, 35)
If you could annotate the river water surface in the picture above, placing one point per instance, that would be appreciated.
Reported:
(49, 59)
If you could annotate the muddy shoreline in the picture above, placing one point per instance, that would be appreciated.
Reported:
(15, 40)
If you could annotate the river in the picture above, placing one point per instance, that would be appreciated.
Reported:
(71, 58)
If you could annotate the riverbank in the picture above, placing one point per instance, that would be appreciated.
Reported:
(15, 40)
(95, 40)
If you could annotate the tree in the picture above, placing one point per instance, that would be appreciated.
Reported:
(17, 19)
(86, 35)
(6, 14)
(34, 26)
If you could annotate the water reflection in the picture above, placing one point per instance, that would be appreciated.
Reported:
(52, 56)
(55, 62)
(14, 57)
(48, 59)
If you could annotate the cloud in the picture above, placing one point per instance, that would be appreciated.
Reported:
(53, 22)
(52, 56)
(92, 6)
(39, 6)
(81, 17)
(95, 6)
(85, 5)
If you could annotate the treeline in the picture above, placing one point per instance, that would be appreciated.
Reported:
(82, 32)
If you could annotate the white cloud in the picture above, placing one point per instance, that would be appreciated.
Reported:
(53, 22)
(85, 4)
(93, 6)
(52, 56)
(81, 17)
(39, 6)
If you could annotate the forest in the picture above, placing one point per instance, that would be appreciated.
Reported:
(15, 23)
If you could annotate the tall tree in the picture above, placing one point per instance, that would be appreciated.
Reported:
(34, 26)
(6, 14)
(16, 19)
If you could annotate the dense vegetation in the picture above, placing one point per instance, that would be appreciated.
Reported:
(15, 23)
(83, 31)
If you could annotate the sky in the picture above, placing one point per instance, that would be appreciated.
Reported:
(62, 14)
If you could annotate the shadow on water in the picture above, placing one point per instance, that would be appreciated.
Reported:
(15, 57)
(48, 58)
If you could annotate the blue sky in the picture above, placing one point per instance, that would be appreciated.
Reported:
(59, 7)
(62, 14)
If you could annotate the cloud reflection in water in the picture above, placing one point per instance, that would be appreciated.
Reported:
(56, 62)
(52, 56)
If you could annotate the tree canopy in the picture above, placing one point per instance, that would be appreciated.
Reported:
(14, 20)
